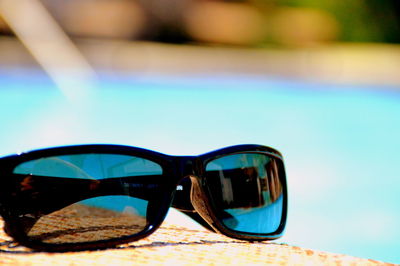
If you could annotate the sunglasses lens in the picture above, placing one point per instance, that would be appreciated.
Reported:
(247, 192)
(85, 197)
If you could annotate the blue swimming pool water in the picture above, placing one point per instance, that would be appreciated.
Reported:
(341, 144)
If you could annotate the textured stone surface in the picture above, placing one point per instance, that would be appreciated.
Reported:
(172, 245)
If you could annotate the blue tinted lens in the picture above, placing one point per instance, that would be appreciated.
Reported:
(85, 197)
(89, 166)
(246, 192)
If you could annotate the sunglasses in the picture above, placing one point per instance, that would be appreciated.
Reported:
(100, 196)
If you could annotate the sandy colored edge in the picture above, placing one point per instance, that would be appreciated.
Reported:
(181, 246)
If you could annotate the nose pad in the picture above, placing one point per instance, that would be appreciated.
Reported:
(200, 202)
(191, 201)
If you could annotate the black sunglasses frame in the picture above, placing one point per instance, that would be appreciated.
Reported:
(193, 199)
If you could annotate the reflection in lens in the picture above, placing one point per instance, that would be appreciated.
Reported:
(247, 192)
(92, 220)
(89, 166)
(86, 197)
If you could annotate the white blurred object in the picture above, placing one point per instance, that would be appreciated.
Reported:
(50, 46)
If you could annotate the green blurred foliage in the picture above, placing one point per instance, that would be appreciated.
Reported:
(229, 22)
(359, 20)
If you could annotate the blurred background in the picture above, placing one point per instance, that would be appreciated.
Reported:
(317, 80)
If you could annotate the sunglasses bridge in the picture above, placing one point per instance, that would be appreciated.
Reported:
(190, 197)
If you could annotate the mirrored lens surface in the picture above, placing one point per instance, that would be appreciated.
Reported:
(85, 197)
(247, 192)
